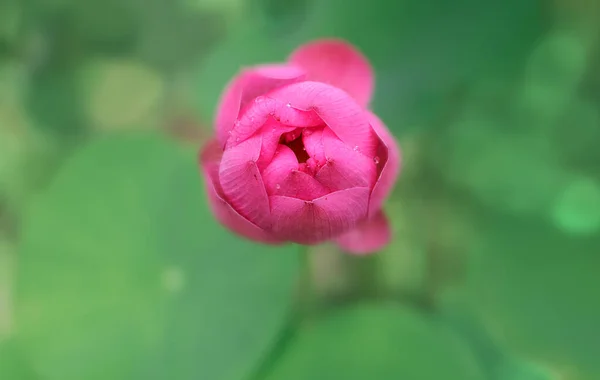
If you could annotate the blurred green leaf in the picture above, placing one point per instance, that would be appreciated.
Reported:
(121, 94)
(74, 27)
(432, 50)
(524, 182)
(403, 261)
(379, 342)
(516, 369)
(559, 62)
(280, 18)
(245, 46)
(27, 156)
(7, 266)
(423, 51)
(55, 103)
(109, 25)
(13, 365)
(576, 133)
(577, 209)
(11, 14)
(174, 35)
(536, 291)
(124, 274)
(235, 296)
(497, 362)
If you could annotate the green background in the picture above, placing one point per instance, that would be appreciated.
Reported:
(112, 266)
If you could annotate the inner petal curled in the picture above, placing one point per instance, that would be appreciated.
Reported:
(283, 177)
(307, 163)
(345, 166)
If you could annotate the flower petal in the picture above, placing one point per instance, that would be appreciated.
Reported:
(307, 222)
(336, 108)
(338, 63)
(264, 108)
(344, 167)
(271, 133)
(302, 186)
(369, 236)
(242, 183)
(282, 177)
(248, 85)
(313, 142)
(210, 157)
(389, 158)
(283, 163)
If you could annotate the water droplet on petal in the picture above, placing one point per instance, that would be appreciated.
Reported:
(376, 160)
(229, 133)
(278, 186)
(237, 139)
(288, 105)
(356, 148)
(259, 99)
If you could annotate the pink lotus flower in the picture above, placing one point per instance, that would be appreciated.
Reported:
(298, 157)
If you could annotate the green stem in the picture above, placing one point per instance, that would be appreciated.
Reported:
(307, 295)
(365, 279)
(302, 309)
(338, 277)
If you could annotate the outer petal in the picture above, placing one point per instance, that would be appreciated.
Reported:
(324, 218)
(369, 236)
(248, 85)
(390, 159)
(210, 157)
(336, 108)
(302, 186)
(344, 167)
(242, 183)
(339, 64)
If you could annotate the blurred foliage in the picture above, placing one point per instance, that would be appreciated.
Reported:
(137, 288)
(120, 94)
(13, 365)
(549, 313)
(112, 267)
(378, 341)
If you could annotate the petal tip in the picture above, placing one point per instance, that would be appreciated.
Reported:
(337, 62)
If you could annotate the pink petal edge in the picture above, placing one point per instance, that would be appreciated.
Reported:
(266, 110)
(345, 167)
(368, 237)
(338, 63)
(210, 157)
(246, 86)
(391, 168)
(242, 182)
(340, 112)
(324, 218)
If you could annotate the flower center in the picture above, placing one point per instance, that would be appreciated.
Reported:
(294, 141)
